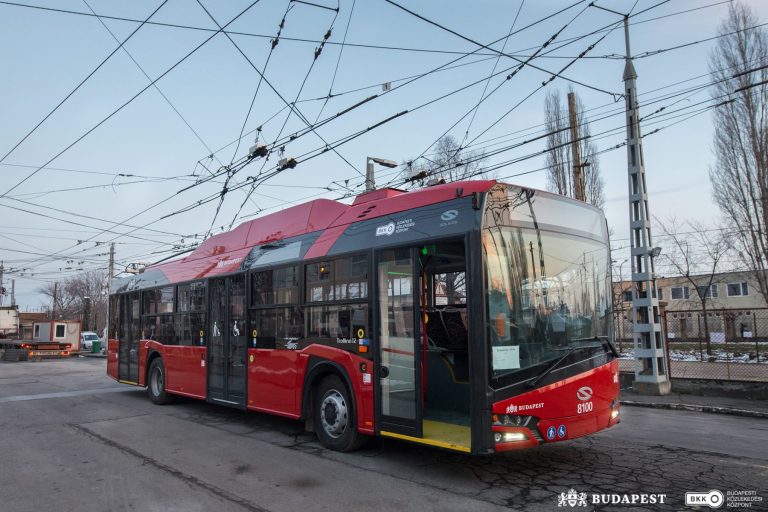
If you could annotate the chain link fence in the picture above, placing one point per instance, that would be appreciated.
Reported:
(728, 345)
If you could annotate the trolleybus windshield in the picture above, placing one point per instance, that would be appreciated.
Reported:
(547, 282)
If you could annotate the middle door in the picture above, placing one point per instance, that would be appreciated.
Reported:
(227, 352)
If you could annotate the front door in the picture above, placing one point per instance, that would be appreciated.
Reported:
(399, 361)
(227, 351)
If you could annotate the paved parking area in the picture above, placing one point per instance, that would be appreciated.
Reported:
(72, 439)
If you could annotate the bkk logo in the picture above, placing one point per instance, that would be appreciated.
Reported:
(387, 229)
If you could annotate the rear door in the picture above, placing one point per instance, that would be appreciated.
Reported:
(130, 334)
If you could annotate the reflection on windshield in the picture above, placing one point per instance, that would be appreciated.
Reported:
(548, 291)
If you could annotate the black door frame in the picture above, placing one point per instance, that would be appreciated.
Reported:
(225, 397)
(130, 340)
(412, 428)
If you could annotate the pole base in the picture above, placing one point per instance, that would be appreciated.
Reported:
(652, 388)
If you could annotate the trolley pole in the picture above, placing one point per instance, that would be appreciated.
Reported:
(651, 371)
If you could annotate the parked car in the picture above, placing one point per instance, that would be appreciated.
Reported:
(87, 339)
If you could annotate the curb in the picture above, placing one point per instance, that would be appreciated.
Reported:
(698, 408)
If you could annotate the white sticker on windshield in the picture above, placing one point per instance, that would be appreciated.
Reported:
(506, 358)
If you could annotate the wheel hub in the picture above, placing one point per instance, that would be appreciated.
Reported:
(333, 414)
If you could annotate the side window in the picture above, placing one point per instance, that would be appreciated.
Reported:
(276, 320)
(276, 327)
(319, 278)
(189, 325)
(341, 279)
(61, 331)
(343, 322)
(351, 278)
(37, 331)
(279, 286)
(158, 322)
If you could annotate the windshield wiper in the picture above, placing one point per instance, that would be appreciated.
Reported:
(551, 367)
(602, 339)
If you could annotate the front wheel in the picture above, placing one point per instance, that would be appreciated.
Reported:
(334, 418)
(156, 383)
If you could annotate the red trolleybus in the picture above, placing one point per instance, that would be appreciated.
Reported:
(472, 316)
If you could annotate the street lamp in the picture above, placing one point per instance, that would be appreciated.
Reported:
(370, 183)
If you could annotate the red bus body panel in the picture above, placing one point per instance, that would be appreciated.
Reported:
(112, 347)
(185, 370)
(563, 404)
(276, 381)
(273, 381)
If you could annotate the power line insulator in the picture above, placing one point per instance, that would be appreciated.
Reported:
(258, 150)
(287, 163)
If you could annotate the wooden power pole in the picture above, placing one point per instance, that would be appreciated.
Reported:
(578, 181)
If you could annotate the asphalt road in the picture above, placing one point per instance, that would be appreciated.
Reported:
(72, 439)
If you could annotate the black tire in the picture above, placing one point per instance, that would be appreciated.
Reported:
(334, 416)
(156, 383)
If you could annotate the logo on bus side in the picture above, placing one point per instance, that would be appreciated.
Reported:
(584, 393)
(512, 408)
(386, 229)
(449, 215)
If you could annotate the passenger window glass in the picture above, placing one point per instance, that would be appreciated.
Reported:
(319, 282)
(340, 322)
(192, 297)
(351, 278)
(276, 328)
(279, 286)
(341, 279)
(158, 301)
(450, 288)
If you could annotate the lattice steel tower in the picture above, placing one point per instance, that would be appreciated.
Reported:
(651, 372)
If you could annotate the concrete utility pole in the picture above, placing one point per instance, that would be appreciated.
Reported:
(13, 292)
(2, 290)
(55, 292)
(86, 313)
(111, 263)
(111, 275)
(651, 372)
(578, 180)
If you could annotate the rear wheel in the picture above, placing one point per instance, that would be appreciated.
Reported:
(156, 383)
(334, 418)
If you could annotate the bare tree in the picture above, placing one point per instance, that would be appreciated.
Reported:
(559, 161)
(70, 294)
(450, 162)
(740, 175)
(697, 254)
